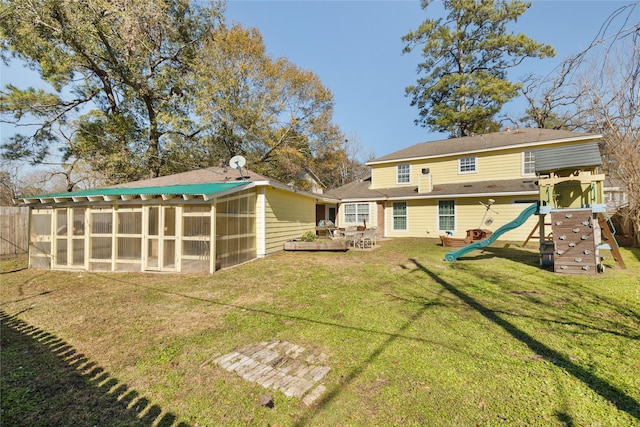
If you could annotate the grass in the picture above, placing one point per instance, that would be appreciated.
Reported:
(491, 339)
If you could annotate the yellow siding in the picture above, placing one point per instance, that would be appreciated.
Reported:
(492, 165)
(469, 215)
(384, 176)
(422, 218)
(506, 165)
(288, 215)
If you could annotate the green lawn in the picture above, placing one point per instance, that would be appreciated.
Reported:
(491, 339)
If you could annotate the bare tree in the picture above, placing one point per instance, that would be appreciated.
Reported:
(610, 105)
(598, 90)
(549, 100)
(15, 182)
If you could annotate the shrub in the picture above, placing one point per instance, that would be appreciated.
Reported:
(309, 236)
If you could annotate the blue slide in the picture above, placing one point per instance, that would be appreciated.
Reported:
(521, 219)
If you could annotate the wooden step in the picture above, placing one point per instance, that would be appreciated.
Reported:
(611, 240)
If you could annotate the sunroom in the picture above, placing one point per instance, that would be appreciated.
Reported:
(180, 228)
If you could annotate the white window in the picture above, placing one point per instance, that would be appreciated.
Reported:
(400, 216)
(403, 174)
(528, 163)
(467, 165)
(446, 215)
(356, 213)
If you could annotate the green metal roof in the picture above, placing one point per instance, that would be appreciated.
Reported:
(189, 189)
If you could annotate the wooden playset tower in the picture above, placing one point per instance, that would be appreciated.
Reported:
(573, 226)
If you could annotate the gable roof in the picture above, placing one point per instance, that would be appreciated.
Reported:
(201, 183)
(198, 176)
(486, 142)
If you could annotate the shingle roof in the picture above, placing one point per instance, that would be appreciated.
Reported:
(484, 142)
(360, 190)
(199, 176)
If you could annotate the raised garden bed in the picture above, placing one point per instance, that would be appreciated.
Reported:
(316, 245)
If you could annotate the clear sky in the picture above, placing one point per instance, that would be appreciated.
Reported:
(355, 48)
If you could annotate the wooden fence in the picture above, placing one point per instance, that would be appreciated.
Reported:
(14, 231)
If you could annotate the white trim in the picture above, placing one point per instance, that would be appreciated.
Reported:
(114, 237)
(475, 165)
(398, 174)
(212, 237)
(522, 163)
(455, 216)
(261, 200)
(393, 228)
(344, 212)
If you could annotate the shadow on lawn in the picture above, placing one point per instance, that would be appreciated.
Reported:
(328, 396)
(47, 382)
(511, 252)
(616, 396)
(609, 392)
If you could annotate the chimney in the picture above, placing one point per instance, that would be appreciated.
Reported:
(425, 184)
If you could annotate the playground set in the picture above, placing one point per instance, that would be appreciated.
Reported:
(572, 227)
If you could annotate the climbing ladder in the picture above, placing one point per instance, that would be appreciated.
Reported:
(533, 235)
(611, 242)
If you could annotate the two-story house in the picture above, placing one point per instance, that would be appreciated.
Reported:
(450, 186)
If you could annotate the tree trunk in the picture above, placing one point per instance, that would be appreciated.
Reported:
(154, 162)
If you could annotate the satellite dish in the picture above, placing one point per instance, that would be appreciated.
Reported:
(489, 221)
(237, 162)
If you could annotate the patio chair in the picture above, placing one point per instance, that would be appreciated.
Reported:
(366, 239)
(351, 234)
(326, 228)
(332, 230)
